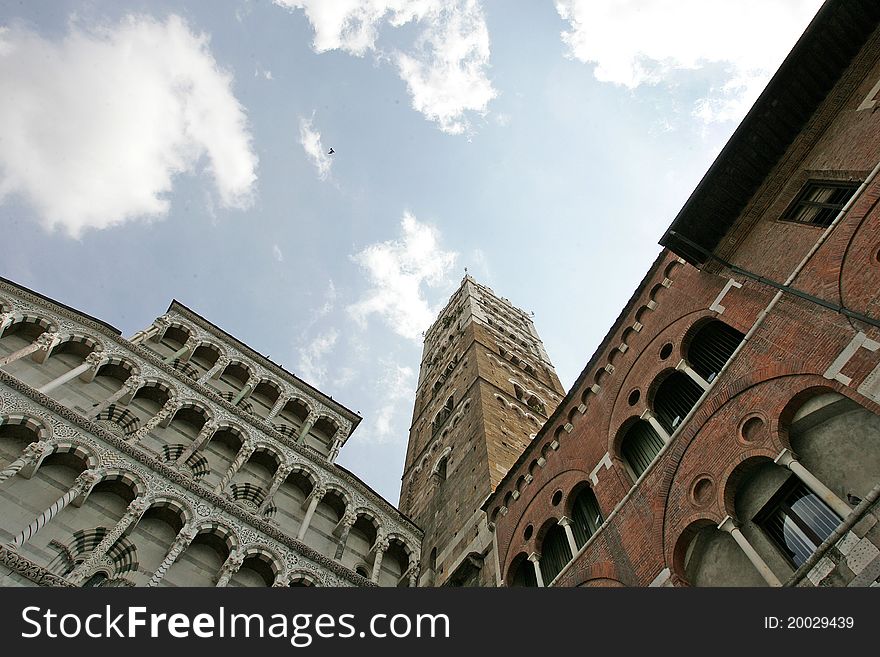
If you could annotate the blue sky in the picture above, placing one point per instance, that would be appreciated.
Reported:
(159, 150)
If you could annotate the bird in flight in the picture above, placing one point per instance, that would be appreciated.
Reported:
(330, 152)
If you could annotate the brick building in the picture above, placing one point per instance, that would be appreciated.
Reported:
(725, 431)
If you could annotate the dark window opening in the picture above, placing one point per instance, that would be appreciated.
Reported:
(640, 446)
(820, 202)
(711, 347)
(797, 521)
(675, 398)
(586, 517)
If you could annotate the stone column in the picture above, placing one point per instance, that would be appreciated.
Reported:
(132, 515)
(208, 429)
(687, 369)
(655, 424)
(129, 387)
(346, 524)
(244, 393)
(165, 413)
(569, 534)
(335, 446)
(29, 457)
(92, 361)
(311, 418)
(81, 486)
(6, 320)
(229, 568)
(181, 542)
(535, 558)
(787, 459)
(316, 496)
(281, 581)
(279, 478)
(414, 574)
(44, 342)
(760, 565)
(216, 369)
(381, 545)
(187, 349)
(156, 330)
(240, 459)
(279, 404)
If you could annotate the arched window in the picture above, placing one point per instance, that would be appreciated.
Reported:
(711, 347)
(640, 446)
(522, 572)
(674, 399)
(586, 516)
(555, 553)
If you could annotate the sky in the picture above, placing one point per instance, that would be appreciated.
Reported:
(159, 150)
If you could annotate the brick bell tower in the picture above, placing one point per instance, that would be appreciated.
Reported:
(486, 385)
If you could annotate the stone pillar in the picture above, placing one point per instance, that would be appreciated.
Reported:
(129, 387)
(311, 418)
(186, 350)
(156, 330)
(687, 369)
(208, 429)
(535, 558)
(229, 568)
(132, 515)
(335, 446)
(316, 496)
(165, 413)
(29, 457)
(244, 393)
(81, 486)
(44, 342)
(569, 534)
(216, 369)
(346, 524)
(92, 362)
(414, 574)
(787, 459)
(760, 565)
(279, 404)
(279, 478)
(655, 424)
(240, 459)
(181, 542)
(380, 546)
(281, 581)
(6, 320)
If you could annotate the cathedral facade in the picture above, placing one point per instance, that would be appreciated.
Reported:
(178, 457)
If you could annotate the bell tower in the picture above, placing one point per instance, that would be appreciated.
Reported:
(486, 385)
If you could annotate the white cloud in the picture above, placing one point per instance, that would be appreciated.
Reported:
(311, 143)
(397, 384)
(329, 300)
(311, 357)
(446, 68)
(397, 270)
(276, 253)
(643, 42)
(95, 127)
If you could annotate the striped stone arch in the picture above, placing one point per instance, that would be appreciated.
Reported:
(74, 337)
(310, 404)
(331, 417)
(268, 380)
(306, 471)
(86, 453)
(134, 481)
(119, 360)
(27, 317)
(266, 554)
(190, 330)
(220, 528)
(213, 344)
(411, 552)
(161, 384)
(194, 404)
(240, 430)
(180, 505)
(238, 361)
(41, 429)
(304, 575)
(261, 444)
(332, 486)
